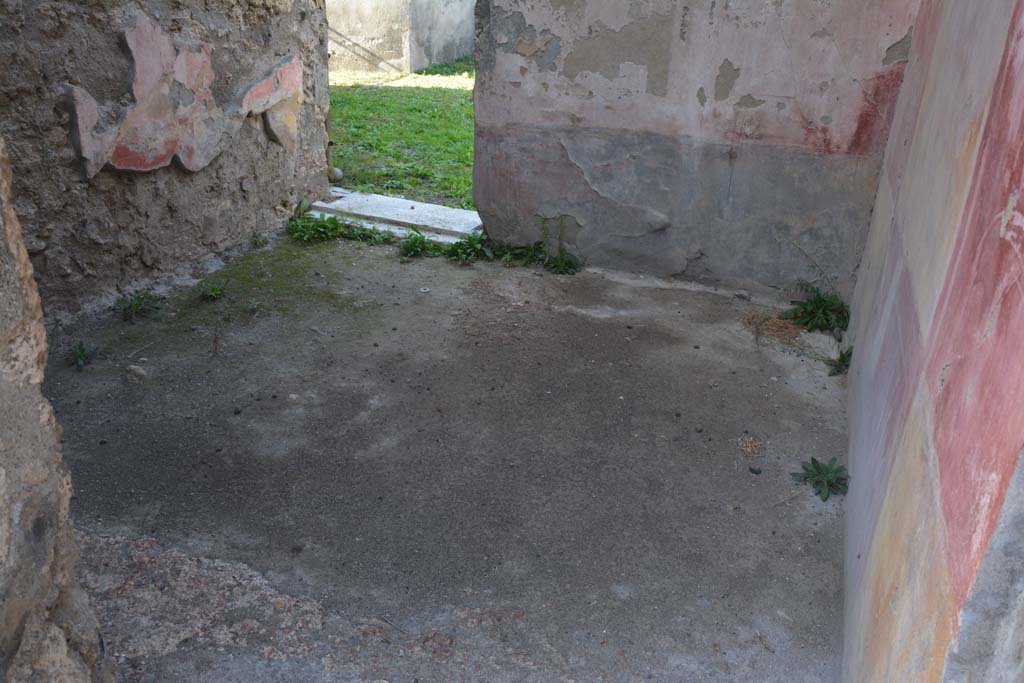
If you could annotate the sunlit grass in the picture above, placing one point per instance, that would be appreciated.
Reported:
(410, 135)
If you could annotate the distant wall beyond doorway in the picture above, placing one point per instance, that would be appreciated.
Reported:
(398, 35)
(733, 143)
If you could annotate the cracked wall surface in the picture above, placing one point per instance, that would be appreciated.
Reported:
(47, 631)
(933, 546)
(148, 136)
(736, 142)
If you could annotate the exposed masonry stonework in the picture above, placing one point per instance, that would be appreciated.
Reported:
(175, 115)
(147, 136)
(47, 631)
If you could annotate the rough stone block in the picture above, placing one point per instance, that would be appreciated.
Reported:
(47, 632)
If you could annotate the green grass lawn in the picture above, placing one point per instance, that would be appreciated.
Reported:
(410, 136)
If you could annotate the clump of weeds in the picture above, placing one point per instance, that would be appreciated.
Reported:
(819, 311)
(415, 244)
(826, 478)
(470, 248)
(259, 239)
(475, 247)
(840, 365)
(319, 229)
(81, 354)
(211, 291)
(144, 303)
(523, 254)
(563, 263)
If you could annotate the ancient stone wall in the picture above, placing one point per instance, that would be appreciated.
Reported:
(726, 140)
(47, 631)
(147, 136)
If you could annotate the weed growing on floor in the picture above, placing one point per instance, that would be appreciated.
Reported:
(475, 247)
(415, 245)
(480, 247)
(211, 291)
(819, 311)
(523, 254)
(563, 263)
(825, 478)
(144, 303)
(81, 354)
(259, 239)
(840, 365)
(317, 229)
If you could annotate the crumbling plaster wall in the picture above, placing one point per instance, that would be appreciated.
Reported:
(369, 36)
(731, 140)
(91, 236)
(443, 31)
(398, 35)
(934, 557)
(47, 631)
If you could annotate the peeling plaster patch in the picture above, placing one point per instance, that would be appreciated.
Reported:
(823, 34)
(684, 23)
(900, 50)
(568, 6)
(702, 96)
(748, 101)
(780, 105)
(529, 48)
(726, 79)
(645, 42)
(517, 37)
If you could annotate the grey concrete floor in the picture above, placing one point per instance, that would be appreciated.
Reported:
(357, 469)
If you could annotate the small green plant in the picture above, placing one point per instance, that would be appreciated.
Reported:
(81, 355)
(474, 247)
(259, 239)
(840, 365)
(144, 303)
(470, 248)
(302, 207)
(563, 263)
(416, 244)
(521, 255)
(819, 311)
(253, 306)
(211, 291)
(825, 478)
(319, 229)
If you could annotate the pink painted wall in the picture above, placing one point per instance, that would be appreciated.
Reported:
(937, 390)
